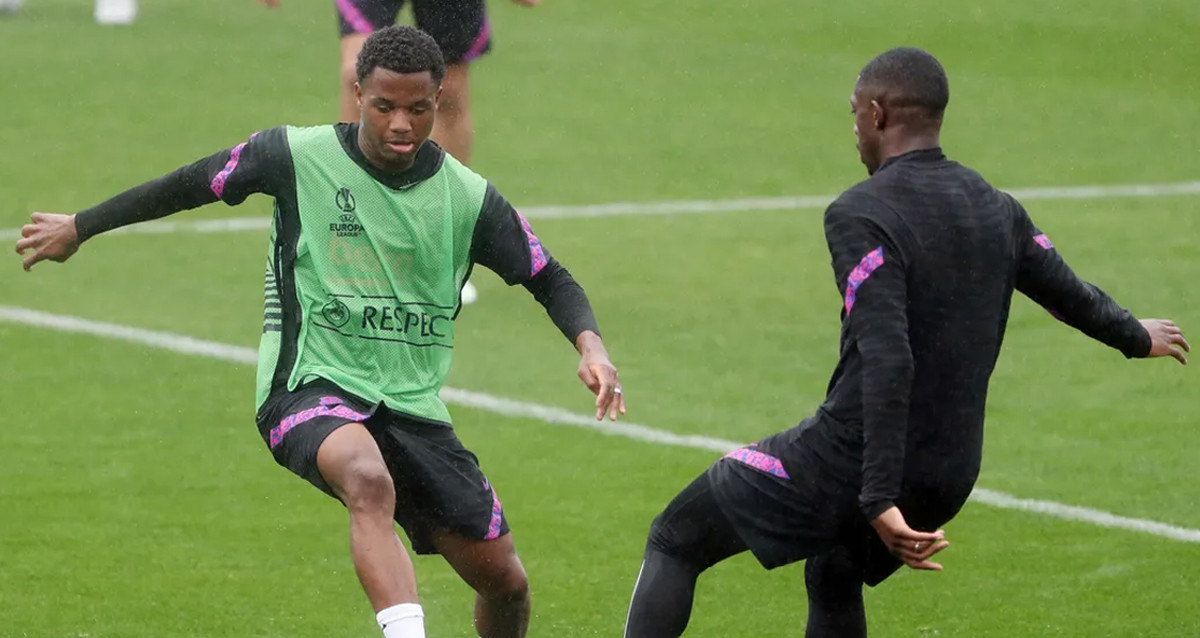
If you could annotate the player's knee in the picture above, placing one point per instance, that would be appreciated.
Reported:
(662, 537)
(509, 583)
(367, 487)
(451, 107)
(452, 102)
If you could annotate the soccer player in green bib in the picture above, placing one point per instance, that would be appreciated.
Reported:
(375, 231)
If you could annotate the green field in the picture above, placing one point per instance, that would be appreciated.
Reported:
(137, 500)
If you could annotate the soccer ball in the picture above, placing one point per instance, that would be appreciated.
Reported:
(469, 293)
(11, 6)
(116, 11)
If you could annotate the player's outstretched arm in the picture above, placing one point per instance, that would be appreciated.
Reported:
(1046, 278)
(47, 236)
(1166, 339)
(505, 243)
(259, 165)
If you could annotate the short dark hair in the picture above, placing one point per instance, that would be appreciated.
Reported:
(908, 77)
(402, 49)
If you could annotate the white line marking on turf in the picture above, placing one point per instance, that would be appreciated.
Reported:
(557, 416)
(683, 207)
(161, 340)
(1085, 514)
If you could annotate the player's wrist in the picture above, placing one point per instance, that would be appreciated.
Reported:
(874, 511)
(589, 342)
(74, 227)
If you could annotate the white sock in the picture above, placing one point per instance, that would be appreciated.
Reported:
(405, 620)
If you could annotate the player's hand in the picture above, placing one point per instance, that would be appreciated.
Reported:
(1166, 339)
(528, 3)
(274, 4)
(50, 236)
(600, 376)
(906, 543)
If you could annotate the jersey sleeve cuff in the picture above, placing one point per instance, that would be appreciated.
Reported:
(1139, 344)
(873, 509)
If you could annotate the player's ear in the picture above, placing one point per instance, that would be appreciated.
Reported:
(358, 95)
(437, 96)
(878, 115)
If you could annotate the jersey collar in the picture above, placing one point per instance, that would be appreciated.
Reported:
(428, 162)
(920, 155)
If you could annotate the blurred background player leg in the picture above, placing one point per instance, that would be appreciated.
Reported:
(358, 18)
(116, 11)
(10, 6)
(462, 31)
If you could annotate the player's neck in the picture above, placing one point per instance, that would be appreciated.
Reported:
(910, 143)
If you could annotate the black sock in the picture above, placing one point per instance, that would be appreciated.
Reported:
(835, 604)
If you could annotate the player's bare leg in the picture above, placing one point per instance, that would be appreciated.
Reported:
(453, 129)
(348, 104)
(494, 571)
(350, 461)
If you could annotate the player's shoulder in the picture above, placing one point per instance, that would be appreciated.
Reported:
(451, 165)
(458, 174)
(864, 199)
(984, 194)
(273, 137)
(300, 135)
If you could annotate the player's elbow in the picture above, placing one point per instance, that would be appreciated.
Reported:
(886, 353)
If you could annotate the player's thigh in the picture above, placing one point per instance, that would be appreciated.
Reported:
(455, 89)
(693, 527)
(350, 462)
(351, 45)
(488, 566)
(365, 16)
(460, 27)
(297, 424)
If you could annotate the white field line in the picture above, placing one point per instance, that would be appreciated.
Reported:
(556, 416)
(703, 206)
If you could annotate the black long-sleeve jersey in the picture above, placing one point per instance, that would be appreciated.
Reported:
(926, 254)
(501, 241)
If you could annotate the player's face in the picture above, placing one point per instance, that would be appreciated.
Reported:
(864, 111)
(397, 116)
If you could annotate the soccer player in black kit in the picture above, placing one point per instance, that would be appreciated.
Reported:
(926, 255)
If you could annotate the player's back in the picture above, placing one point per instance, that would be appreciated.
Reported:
(956, 237)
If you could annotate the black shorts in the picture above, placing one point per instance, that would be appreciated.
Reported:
(439, 485)
(786, 505)
(460, 27)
